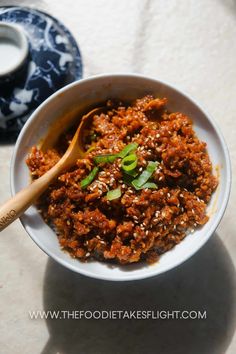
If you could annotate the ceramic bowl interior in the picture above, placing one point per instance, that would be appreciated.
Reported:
(14, 48)
(89, 93)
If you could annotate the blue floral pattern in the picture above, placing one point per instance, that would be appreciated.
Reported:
(54, 61)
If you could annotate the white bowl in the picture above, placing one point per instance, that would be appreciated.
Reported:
(90, 92)
(13, 48)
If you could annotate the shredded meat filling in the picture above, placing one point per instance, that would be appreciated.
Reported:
(140, 225)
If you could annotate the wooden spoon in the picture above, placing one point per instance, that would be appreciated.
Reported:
(16, 206)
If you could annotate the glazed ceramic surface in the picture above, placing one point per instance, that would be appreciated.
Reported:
(54, 60)
(14, 49)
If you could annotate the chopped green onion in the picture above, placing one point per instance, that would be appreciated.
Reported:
(111, 157)
(132, 173)
(127, 149)
(90, 149)
(145, 175)
(149, 185)
(104, 158)
(114, 194)
(89, 179)
(129, 162)
(127, 179)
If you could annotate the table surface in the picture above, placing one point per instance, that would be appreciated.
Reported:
(188, 43)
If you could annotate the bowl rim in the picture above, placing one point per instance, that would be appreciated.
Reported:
(130, 276)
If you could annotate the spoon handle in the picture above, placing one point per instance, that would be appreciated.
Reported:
(15, 207)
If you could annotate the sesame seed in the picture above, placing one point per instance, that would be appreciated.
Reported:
(102, 184)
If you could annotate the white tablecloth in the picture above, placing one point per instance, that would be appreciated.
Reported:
(191, 44)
